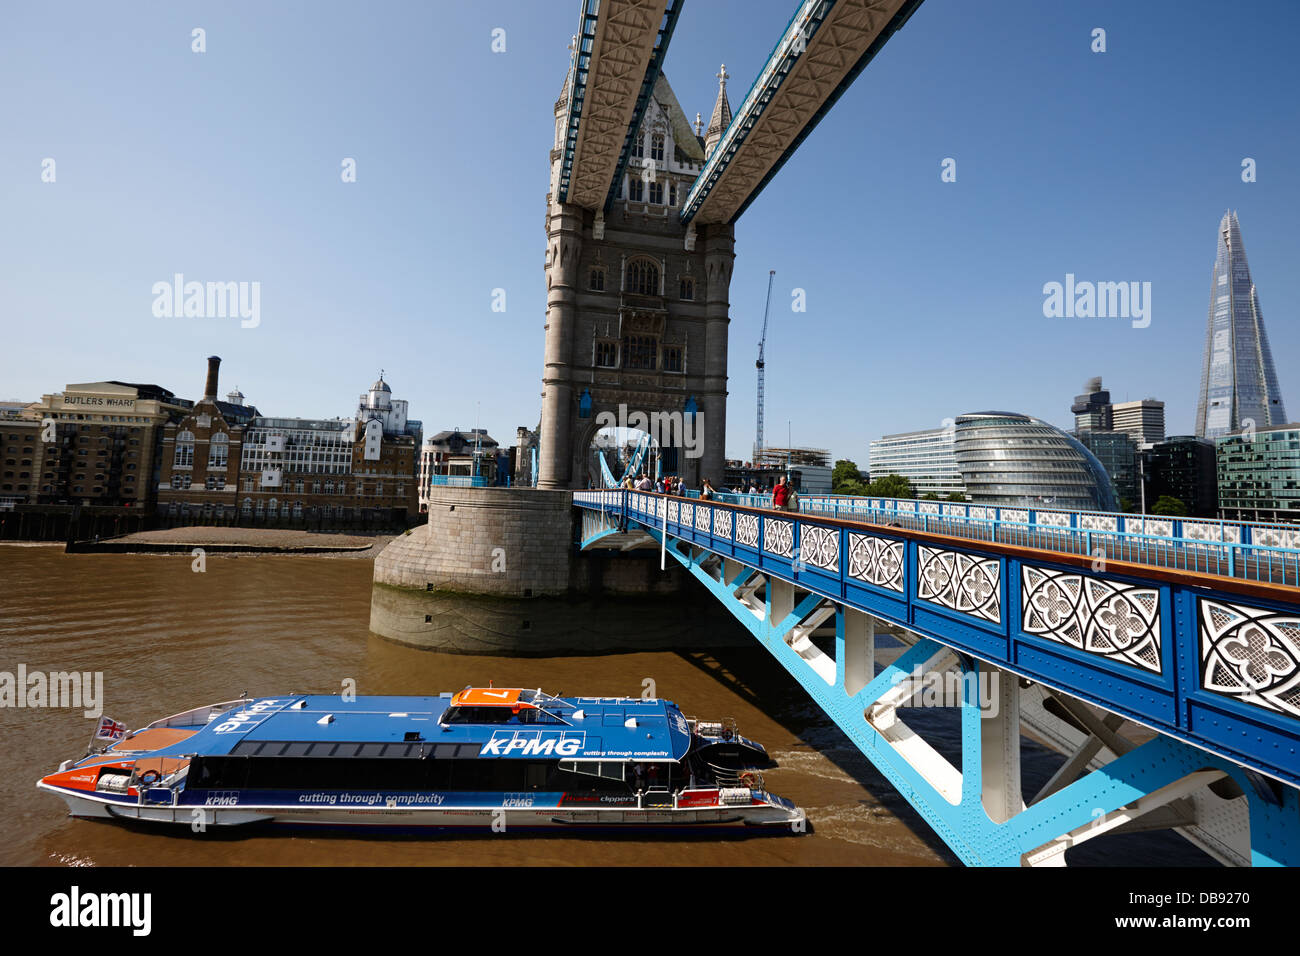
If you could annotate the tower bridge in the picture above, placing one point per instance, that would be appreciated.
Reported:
(642, 209)
(1162, 663)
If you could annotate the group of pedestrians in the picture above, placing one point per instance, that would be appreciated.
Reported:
(667, 485)
(784, 497)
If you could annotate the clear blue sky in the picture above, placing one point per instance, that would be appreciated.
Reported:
(924, 298)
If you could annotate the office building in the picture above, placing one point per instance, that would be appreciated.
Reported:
(1118, 454)
(1143, 421)
(1259, 474)
(926, 458)
(1092, 408)
(1183, 467)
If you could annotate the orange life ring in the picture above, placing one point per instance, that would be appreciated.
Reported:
(748, 779)
(149, 777)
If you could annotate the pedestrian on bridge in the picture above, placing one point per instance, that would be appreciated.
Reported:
(780, 495)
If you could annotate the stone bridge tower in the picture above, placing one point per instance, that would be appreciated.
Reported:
(637, 305)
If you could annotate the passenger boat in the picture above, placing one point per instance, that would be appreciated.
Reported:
(496, 758)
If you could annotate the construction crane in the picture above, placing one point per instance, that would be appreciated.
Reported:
(762, 342)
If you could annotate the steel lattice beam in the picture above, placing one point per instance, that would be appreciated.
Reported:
(824, 48)
(621, 44)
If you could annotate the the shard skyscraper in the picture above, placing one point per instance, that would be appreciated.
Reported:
(1238, 382)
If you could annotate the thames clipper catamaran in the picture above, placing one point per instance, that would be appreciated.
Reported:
(485, 757)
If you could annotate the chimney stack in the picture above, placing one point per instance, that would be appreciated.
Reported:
(210, 389)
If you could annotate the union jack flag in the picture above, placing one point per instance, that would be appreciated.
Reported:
(110, 729)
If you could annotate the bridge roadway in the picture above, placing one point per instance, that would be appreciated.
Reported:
(619, 52)
(1085, 641)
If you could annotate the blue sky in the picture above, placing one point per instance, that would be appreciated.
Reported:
(924, 298)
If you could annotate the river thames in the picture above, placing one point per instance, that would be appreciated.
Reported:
(166, 638)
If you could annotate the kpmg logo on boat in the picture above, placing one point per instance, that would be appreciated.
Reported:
(557, 744)
(251, 716)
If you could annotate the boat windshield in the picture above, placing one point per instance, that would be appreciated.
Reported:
(478, 715)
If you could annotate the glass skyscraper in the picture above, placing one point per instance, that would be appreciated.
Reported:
(1238, 383)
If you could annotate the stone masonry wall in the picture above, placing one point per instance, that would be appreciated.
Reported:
(512, 542)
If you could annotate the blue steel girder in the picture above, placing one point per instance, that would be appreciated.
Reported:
(826, 44)
(1150, 777)
(620, 49)
(1210, 661)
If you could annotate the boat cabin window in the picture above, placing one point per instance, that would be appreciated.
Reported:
(461, 772)
(477, 715)
(299, 748)
(610, 770)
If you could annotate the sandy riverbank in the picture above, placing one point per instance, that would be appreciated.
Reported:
(253, 541)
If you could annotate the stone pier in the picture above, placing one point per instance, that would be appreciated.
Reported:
(497, 570)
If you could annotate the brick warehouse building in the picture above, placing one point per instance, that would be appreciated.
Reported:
(105, 447)
(227, 463)
(201, 454)
(331, 471)
(121, 454)
(21, 452)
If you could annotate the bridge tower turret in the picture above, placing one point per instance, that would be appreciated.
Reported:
(637, 309)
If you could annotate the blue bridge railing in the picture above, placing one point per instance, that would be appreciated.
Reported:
(1268, 553)
(459, 481)
(1198, 639)
(1209, 530)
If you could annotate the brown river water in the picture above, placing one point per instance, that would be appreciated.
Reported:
(167, 639)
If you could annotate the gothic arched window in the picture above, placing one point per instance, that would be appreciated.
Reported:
(640, 351)
(642, 277)
(657, 147)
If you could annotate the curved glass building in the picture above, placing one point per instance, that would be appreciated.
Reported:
(1018, 461)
